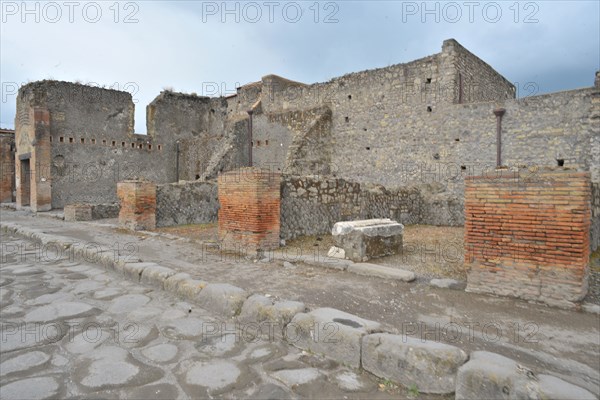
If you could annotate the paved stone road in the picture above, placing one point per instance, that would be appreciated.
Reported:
(71, 329)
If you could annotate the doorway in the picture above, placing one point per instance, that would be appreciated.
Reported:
(25, 183)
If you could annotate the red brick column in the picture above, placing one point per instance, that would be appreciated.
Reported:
(250, 205)
(7, 167)
(529, 236)
(138, 204)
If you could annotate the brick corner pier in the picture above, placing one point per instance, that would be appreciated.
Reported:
(528, 235)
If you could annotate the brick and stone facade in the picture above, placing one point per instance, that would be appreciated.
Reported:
(138, 204)
(528, 236)
(249, 217)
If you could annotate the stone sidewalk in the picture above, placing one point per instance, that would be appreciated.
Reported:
(562, 343)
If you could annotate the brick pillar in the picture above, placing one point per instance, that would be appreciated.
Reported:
(250, 205)
(529, 237)
(7, 167)
(138, 204)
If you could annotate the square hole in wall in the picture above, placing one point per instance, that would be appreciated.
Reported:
(149, 146)
(266, 142)
(104, 141)
(429, 109)
(258, 143)
(93, 141)
(428, 80)
(140, 146)
(50, 139)
(159, 147)
(133, 145)
(82, 140)
(71, 140)
(122, 144)
(114, 143)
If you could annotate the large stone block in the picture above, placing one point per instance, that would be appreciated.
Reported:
(366, 239)
(259, 308)
(430, 366)
(492, 376)
(330, 332)
(222, 298)
(78, 212)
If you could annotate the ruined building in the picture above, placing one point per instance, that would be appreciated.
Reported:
(391, 142)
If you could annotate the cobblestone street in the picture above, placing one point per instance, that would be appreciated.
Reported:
(71, 329)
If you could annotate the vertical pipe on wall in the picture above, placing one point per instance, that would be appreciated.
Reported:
(177, 161)
(250, 112)
(499, 112)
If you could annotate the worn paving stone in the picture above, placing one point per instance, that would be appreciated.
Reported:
(184, 328)
(23, 362)
(213, 377)
(128, 303)
(271, 392)
(161, 353)
(293, 377)
(350, 381)
(60, 310)
(159, 391)
(31, 389)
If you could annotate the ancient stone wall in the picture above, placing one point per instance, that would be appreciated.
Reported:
(311, 205)
(91, 142)
(529, 237)
(196, 123)
(186, 203)
(474, 80)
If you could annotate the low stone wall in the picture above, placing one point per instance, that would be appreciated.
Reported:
(311, 205)
(102, 211)
(529, 237)
(186, 203)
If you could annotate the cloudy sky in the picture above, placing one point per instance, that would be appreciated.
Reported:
(211, 47)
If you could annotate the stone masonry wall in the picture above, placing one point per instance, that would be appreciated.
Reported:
(186, 203)
(249, 217)
(311, 205)
(529, 237)
(91, 141)
(196, 122)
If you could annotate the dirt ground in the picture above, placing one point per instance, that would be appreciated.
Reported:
(429, 251)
